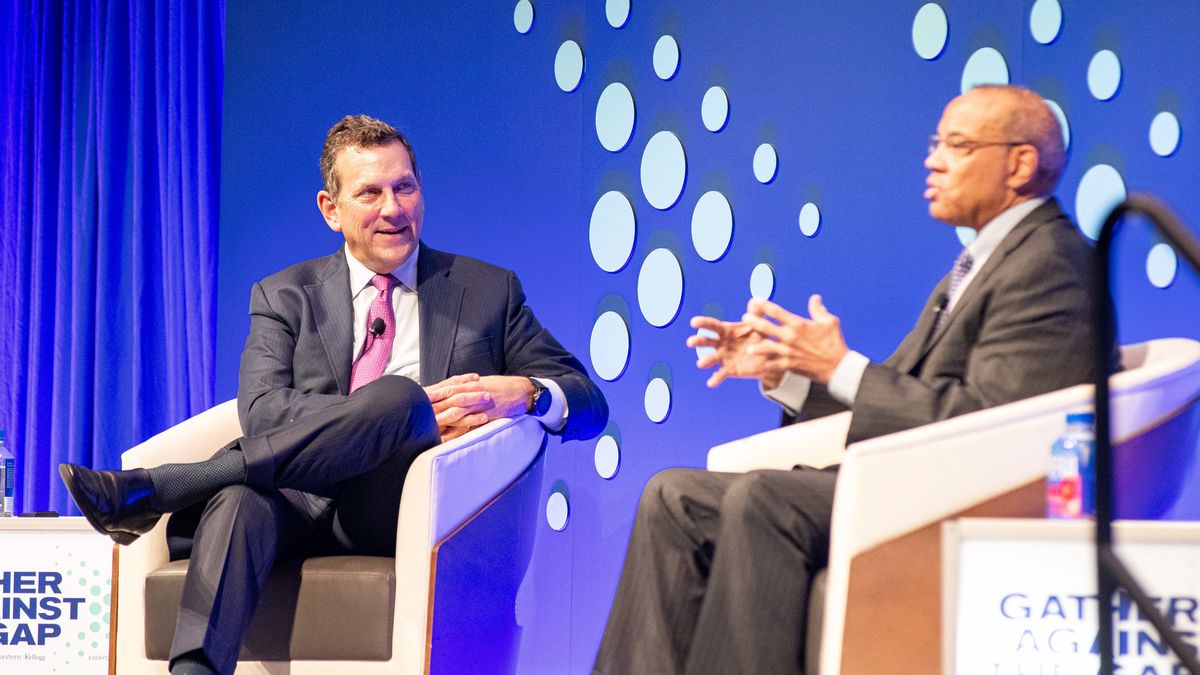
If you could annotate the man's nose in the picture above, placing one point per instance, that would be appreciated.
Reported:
(391, 204)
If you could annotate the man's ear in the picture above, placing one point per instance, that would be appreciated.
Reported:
(328, 207)
(1022, 168)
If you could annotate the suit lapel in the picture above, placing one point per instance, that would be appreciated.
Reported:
(971, 296)
(439, 299)
(334, 315)
(913, 347)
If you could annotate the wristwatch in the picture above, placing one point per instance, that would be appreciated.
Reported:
(539, 404)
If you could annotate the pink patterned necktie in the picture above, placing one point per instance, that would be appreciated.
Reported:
(377, 349)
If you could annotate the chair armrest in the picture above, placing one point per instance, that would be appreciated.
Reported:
(193, 440)
(817, 443)
(446, 485)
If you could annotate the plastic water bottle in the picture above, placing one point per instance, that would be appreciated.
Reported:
(1071, 480)
(8, 479)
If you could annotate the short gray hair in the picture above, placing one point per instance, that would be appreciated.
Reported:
(358, 131)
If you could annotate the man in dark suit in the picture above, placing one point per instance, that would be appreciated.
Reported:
(717, 572)
(330, 397)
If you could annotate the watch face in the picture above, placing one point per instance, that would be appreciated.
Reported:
(541, 403)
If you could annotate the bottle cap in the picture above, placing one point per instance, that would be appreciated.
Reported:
(1081, 418)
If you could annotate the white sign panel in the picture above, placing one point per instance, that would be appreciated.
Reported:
(1021, 596)
(55, 582)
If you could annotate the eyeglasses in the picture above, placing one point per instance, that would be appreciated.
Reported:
(961, 147)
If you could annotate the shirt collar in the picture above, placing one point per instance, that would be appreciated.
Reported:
(361, 275)
(997, 228)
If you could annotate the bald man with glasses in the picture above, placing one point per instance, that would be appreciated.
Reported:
(717, 572)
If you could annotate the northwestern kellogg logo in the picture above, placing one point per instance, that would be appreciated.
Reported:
(32, 607)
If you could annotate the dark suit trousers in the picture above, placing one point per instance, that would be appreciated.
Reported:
(329, 481)
(717, 573)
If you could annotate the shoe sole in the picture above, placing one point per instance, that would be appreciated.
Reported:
(67, 473)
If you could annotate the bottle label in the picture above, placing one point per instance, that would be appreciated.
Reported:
(9, 484)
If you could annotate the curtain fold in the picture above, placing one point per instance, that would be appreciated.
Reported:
(111, 152)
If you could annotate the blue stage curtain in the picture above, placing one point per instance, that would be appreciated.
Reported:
(111, 129)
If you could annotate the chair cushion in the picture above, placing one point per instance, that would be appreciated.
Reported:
(324, 608)
(816, 622)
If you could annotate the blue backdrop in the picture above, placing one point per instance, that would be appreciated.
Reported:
(109, 193)
(513, 168)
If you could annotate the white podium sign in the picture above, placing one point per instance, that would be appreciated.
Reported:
(55, 582)
(1020, 596)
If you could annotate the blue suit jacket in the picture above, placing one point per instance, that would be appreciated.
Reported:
(473, 318)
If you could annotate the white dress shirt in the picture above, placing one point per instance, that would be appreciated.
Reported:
(792, 390)
(405, 358)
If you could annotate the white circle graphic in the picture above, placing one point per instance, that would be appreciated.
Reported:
(612, 231)
(657, 400)
(1100, 190)
(712, 226)
(615, 117)
(762, 281)
(986, 66)
(607, 457)
(523, 16)
(557, 511)
(666, 57)
(660, 287)
(1062, 121)
(810, 219)
(609, 346)
(1161, 265)
(568, 66)
(664, 170)
(766, 163)
(714, 109)
(1164, 134)
(701, 352)
(617, 12)
(929, 31)
(1104, 75)
(1045, 21)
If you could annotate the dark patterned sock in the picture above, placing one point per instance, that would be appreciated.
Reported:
(179, 485)
(192, 663)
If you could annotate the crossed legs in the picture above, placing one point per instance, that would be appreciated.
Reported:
(717, 572)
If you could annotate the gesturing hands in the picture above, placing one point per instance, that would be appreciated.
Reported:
(769, 341)
(464, 402)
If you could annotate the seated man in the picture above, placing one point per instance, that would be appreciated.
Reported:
(717, 572)
(330, 396)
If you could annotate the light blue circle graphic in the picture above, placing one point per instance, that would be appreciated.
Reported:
(666, 57)
(617, 12)
(615, 117)
(986, 66)
(712, 226)
(1045, 21)
(1062, 122)
(702, 352)
(810, 219)
(766, 163)
(557, 511)
(714, 109)
(612, 231)
(965, 235)
(568, 66)
(1161, 265)
(762, 281)
(1104, 75)
(607, 457)
(609, 346)
(929, 31)
(523, 16)
(1100, 190)
(657, 400)
(660, 287)
(664, 170)
(1164, 134)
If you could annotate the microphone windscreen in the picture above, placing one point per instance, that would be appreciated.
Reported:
(378, 326)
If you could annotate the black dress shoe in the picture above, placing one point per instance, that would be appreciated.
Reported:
(117, 503)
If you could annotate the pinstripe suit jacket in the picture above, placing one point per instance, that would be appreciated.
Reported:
(473, 318)
(1021, 328)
